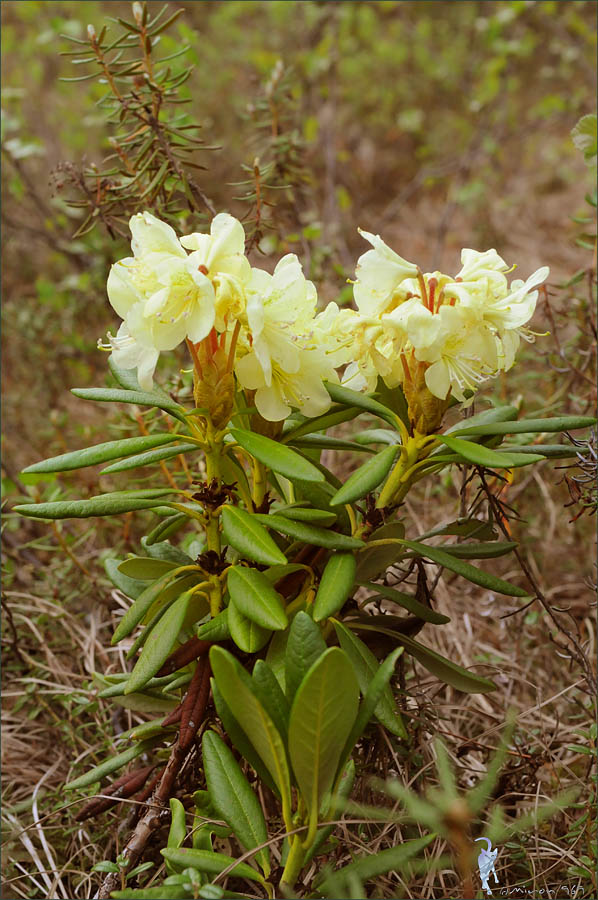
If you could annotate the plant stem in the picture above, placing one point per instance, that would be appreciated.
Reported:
(259, 483)
(294, 863)
(213, 456)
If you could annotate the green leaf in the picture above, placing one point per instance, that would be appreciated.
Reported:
(178, 827)
(372, 697)
(239, 738)
(208, 861)
(244, 532)
(276, 656)
(471, 573)
(91, 456)
(159, 644)
(247, 634)
(480, 455)
(366, 478)
(489, 550)
(166, 529)
(444, 669)
(372, 561)
(409, 603)
(320, 423)
(271, 696)
(496, 414)
(163, 892)
(276, 456)
(299, 514)
(377, 436)
(365, 666)
(322, 715)
(319, 495)
(254, 596)
(141, 606)
(235, 686)
(336, 585)
(140, 398)
(144, 568)
(394, 399)
(216, 629)
(110, 765)
(129, 586)
(383, 861)
(550, 451)
(530, 426)
(148, 458)
(466, 527)
(305, 645)
(104, 505)
(325, 442)
(165, 551)
(233, 798)
(353, 398)
(310, 534)
(343, 792)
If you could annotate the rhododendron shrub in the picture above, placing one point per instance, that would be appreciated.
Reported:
(255, 640)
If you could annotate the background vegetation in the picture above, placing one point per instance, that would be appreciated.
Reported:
(438, 125)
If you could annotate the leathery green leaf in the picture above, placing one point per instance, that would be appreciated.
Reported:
(235, 686)
(209, 861)
(253, 594)
(528, 426)
(215, 629)
(373, 694)
(145, 568)
(480, 455)
(438, 665)
(276, 456)
(239, 739)
(471, 573)
(366, 478)
(116, 395)
(336, 584)
(366, 666)
(148, 458)
(178, 828)
(322, 715)
(110, 765)
(233, 798)
(353, 398)
(245, 533)
(372, 561)
(159, 644)
(107, 505)
(142, 604)
(131, 587)
(271, 696)
(310, 534)
(409, 603)
(91, 456)
(305, 645)
(246, 633)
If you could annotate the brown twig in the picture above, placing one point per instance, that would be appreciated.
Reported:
(157, 806)
(190, 650)
(575, 649)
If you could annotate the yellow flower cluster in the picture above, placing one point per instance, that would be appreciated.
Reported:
(435, 335)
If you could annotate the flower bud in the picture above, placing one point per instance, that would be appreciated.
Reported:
(91, 33)
(215, 389)
(425, 410)
(138, 12)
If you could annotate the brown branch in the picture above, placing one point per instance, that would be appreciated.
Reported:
(575, 649)
(158, 805)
